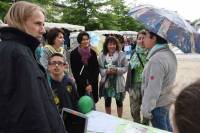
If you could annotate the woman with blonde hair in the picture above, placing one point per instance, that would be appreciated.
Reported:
(26, 100)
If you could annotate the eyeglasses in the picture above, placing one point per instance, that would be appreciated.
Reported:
(59, 63)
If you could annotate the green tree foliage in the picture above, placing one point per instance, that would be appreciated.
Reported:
(98, 15)
(82, 12)
(46, 4)
(93, 14)
(4, 6)
(124, 22)
(49, 7)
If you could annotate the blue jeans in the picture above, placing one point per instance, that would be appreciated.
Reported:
(161, 118)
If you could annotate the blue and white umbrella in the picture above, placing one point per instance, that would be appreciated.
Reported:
(169, 25)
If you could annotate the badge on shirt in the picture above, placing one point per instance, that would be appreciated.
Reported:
(56, 100)
(69, 88)
(152, 77)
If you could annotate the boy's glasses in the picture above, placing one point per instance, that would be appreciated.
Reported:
(59, 63)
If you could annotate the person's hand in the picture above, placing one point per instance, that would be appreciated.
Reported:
(146, 114)
(108, 71)
(113, 70)
(88, 89)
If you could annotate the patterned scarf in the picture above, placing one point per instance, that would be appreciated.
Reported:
(134, 61)
(53, 50)
(112, 60)
(85, 54)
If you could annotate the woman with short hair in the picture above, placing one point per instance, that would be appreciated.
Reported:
(55, 39)
(84, 65)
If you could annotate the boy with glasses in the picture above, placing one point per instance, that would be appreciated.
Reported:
(64, 89)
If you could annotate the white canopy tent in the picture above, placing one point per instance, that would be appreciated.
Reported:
(65, 25)
(132, 34)
(70, 27)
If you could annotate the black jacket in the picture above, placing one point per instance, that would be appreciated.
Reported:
(89, 74)
(26, 101)
(66, 93)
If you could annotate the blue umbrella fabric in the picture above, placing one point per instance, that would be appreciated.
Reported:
(169, 25)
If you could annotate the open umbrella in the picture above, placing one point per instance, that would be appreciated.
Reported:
(169, 25)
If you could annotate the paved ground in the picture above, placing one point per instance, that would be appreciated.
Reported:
(126, 112)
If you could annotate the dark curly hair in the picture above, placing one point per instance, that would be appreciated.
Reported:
(110, 39)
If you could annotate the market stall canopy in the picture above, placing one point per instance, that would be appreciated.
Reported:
(49, 25)
(70, 27)
(133, 33)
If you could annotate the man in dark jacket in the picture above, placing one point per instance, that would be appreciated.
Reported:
(26, 101)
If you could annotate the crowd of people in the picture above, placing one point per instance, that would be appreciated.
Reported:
(35, 87)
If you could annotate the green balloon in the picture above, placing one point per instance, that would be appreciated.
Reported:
(85, 104)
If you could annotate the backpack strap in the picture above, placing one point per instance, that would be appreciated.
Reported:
(140, 60)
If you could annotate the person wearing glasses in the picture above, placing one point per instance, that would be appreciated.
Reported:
(26, 100)
(55, 40)
(64, 89)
